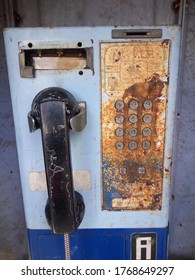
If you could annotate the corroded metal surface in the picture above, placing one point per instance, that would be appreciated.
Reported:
(134, 81)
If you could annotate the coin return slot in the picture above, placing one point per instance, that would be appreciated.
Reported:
(54, 59)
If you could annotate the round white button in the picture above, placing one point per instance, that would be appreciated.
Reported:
(146, 131)
(147, 118)
(119, 105)
(133, 132)
(146, 145)
(133, 118)
(133, 104)
(119, 145)
(147, 104)
(119, 132)
(132, 145)
(119, 119)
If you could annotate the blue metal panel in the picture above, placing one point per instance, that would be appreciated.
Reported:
(92, 244)
(98, 244)
(45, 245)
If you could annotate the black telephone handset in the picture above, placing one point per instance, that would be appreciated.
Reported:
(55, 111)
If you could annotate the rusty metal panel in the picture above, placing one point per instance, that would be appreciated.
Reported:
(134, 82)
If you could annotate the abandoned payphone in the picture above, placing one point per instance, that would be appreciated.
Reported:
(94, 117)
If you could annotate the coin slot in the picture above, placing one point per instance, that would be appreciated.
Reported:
(136, 33)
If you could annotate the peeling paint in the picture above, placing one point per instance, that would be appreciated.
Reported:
(134, 95)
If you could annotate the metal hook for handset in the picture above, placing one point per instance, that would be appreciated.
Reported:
(79, 121)
(52, 111)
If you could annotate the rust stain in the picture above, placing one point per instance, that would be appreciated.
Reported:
(134, 98)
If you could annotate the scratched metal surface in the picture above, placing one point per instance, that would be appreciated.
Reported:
(133, 73)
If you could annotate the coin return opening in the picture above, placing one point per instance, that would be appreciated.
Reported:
(55, 59)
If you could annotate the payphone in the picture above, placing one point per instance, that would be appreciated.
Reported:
(94, 115)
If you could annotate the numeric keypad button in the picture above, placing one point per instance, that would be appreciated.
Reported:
(147, 104)
(119, 145)
(123, 170)
(147, 118)
(146, 145)
(119, 132)
(133, 132)
(133, 118)
(141, 170)
(133, 104)
(146, 131)
(132, 145)
(119, 119)
(119, 105)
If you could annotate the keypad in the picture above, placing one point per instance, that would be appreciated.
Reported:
(134, 98)
(134, 122)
